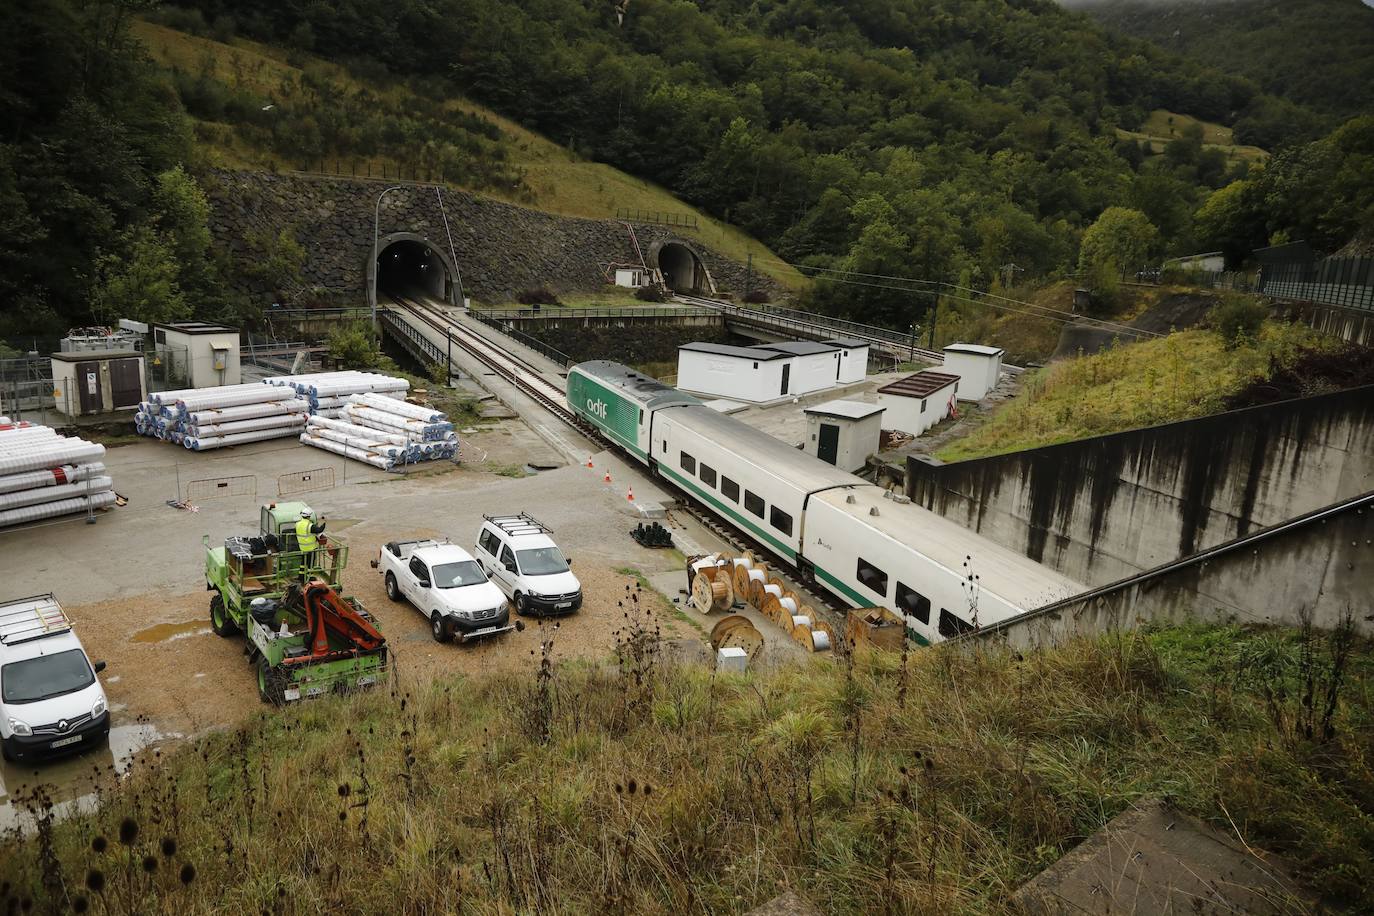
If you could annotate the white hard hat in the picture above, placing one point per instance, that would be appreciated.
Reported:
(306, 513)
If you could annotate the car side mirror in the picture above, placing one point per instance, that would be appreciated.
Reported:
(569, 560)
(510, 567)
(99, 667)
(424, 583)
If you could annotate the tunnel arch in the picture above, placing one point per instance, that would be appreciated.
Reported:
(408, 262)
(680, 266)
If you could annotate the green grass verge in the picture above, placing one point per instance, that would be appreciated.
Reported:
(646, 788)
(1183, 375)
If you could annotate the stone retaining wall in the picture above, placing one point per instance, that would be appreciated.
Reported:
(502, 249)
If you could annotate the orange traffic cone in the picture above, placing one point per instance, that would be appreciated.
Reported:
(607, 478)
(631, 495)
(589, 462)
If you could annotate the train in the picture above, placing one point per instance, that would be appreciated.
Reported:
(859, 542)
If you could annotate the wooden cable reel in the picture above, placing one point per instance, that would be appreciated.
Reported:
(736, 631)
(712, 589)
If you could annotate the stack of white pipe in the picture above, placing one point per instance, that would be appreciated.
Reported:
(206, 418)
(44, 475)
(383, 432)
(326, 391)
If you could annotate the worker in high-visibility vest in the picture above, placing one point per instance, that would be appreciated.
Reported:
(308, 532)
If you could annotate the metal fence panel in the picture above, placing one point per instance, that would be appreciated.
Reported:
(305, 481)
(218, 487)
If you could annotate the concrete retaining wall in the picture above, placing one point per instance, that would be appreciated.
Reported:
(1323, 564)
(1102, 509)
(502, 249)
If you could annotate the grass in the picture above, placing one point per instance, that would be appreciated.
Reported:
(1183, 375)
(552, 178)
(1163, 127)
(934, 786)
(515, 471)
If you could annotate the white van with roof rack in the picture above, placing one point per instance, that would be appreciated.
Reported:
(51, 701)
(519, 554)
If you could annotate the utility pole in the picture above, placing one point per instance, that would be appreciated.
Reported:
(912, 356)
(448, 366)
(934, 317)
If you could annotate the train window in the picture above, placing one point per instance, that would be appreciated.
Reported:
(707, 475)
(689, 464)
(952, 625)
(729, 488)
(754, 503)
(913, 602)
(781, 520)
(872, 577)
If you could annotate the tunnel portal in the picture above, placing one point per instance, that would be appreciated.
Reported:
(681, 267)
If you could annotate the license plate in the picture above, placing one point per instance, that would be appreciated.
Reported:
(563, 604)
(292, 693)
(63, 742)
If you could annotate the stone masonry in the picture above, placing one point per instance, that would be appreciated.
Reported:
(501, 248)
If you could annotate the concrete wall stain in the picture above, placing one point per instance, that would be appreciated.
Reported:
(1132, 500)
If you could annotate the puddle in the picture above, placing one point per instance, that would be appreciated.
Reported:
(165, 632)
(339, 524)
(71, 782)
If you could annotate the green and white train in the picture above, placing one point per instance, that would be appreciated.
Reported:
(839, 531)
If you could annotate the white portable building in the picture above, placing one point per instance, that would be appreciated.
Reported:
(977, 367)
(631, 277)
(916, 403)
(851, 361)
(738, 373)
(203, 355)
(814, 367)
(843, 433)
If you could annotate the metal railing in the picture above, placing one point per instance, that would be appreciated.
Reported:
(658, 217)
(1344, 282)
(538, 346)
(629, 311)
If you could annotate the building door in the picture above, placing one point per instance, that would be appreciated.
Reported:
(786, 376)
(837, 367)
(828, 446)
(88, 386)
(124, 382)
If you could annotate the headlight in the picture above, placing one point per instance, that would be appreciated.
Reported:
(20, 728)
(98, 708)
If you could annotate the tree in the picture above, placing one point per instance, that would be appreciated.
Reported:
(140, 282)
(183, 217)
(1121, 237)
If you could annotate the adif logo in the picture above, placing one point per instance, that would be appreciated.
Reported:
(596, 408)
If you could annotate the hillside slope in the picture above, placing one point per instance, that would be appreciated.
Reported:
(1317, 53)
(259, 107)
(936, 783)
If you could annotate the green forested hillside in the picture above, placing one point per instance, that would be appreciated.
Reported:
(1316, 53)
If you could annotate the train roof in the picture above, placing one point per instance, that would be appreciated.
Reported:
(1007, 573)
(643, 389)
(771, 455)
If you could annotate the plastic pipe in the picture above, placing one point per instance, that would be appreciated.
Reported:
(405, 409)
(281, 421)
(49, 477)
(356, 454)
(38, 495)
(67, 451)
(196, 444)
(52, 510)
(247, 412)
(355, 429)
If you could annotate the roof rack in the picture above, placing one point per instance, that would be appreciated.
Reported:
(31, 618)
(524, 523)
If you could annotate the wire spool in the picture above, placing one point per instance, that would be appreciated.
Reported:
(777, 580)
(710, 593)
(790, 605)
(749, 559)
(741, 579)
(739, 634)
(823, 637)
(724, 626)
(801, 620)
(773, 610)
(773, 589)
(755, 580)
(801, 635)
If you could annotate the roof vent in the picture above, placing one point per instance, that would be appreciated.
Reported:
(873, 510)
(901, 498)
(850, 499)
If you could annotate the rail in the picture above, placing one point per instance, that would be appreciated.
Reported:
(657, 217)
(538, 346)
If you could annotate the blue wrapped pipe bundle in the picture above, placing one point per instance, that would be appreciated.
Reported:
(205, 418)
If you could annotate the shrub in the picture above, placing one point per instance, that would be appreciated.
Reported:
(651, 294)
(755, 297)
(539, 295)
(1237, 318)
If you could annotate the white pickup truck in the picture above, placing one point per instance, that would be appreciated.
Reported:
(448, 586)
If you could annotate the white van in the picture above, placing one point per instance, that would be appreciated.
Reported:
(51, 701)
(524, 562)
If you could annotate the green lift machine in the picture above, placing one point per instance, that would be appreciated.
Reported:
(304, 637)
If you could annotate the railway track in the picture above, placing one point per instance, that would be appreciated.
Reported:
(528, 379)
